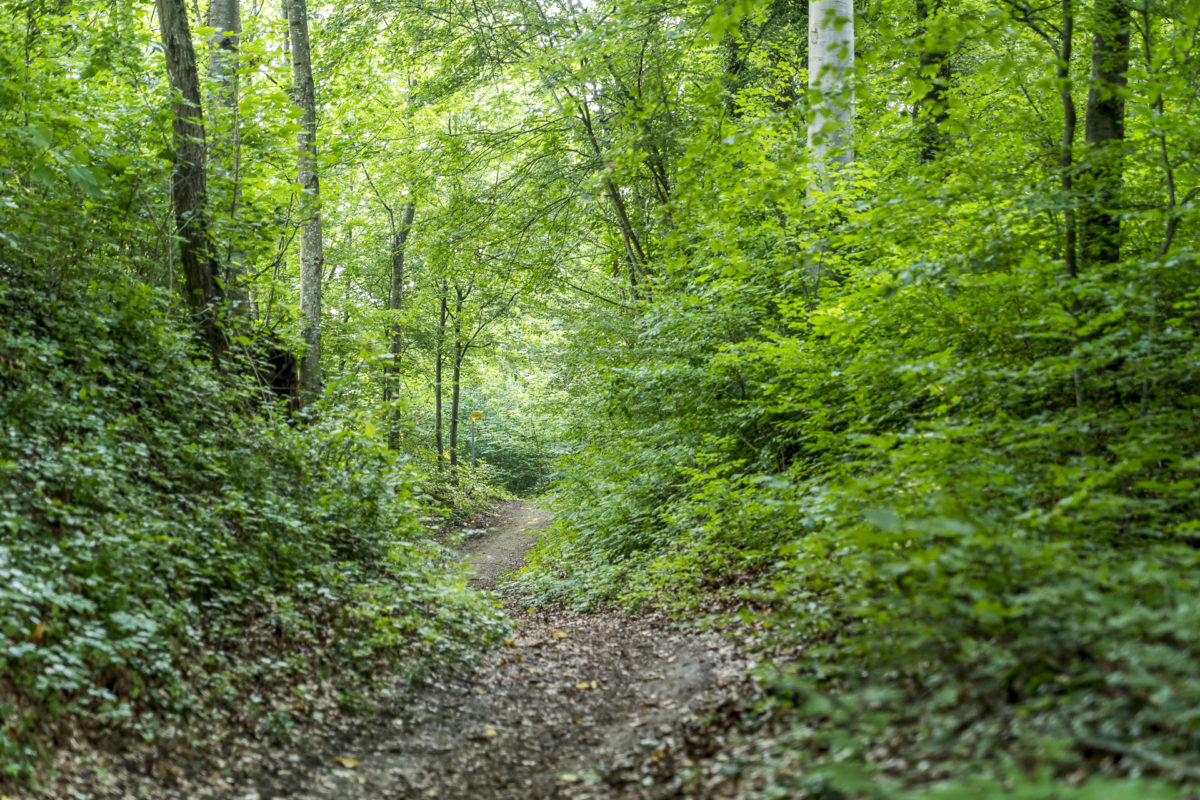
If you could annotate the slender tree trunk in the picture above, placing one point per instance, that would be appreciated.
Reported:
(455, 386)
(285, 8)
(395, 304)
(635, 257)
(189, 186)
(437, 380)
(930, 111)
(312, 256)
(831, 115)
(459, 352)
(1157, 103)
(635, 254)
(830, 70)
(735, 69)
(1067, 154)
(225, 17)
(1104, 132)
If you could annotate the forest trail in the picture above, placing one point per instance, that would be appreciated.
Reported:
(572, 706)
(499, 547)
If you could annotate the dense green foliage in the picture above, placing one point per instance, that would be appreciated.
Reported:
(178, 557)
(171, 549)
(960, 485)
(928, 425)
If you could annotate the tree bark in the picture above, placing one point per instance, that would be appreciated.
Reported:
(635, 257)
(635, 254)
(437, 380)
(831, 109)
(312, 256)
(189, 185)
(285, 8)
(395, 304)
(225, 17)
(1104, 133)
(830, 70)
(1067, 153)
(455, 390)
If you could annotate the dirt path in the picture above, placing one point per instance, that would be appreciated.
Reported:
(500, 547)
(573, 706)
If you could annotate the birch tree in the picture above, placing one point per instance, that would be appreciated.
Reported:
(831, 107)
(224, 16)
(830, 69)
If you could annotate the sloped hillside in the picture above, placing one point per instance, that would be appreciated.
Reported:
(174, 556)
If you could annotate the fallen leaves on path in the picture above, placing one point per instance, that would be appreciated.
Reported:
(513, 729)
(573, 707)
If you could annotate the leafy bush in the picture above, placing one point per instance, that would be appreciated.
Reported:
(462, 493)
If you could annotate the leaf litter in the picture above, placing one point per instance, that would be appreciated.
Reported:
(572, 706)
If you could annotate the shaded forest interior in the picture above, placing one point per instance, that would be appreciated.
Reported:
(868, 333)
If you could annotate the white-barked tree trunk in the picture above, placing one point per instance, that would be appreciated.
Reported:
(225, 17)
(831, 87)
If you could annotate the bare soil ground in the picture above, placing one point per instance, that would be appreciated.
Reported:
(500, 546)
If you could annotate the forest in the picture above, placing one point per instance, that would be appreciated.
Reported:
(862, 336)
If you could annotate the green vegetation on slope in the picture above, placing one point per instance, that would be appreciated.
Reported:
(974, 571)
(955, 485)
(175, 556)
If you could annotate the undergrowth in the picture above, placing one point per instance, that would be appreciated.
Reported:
(968, 539)
(175, 557)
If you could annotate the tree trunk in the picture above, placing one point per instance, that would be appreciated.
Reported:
(831, 113)
(189, 186)
(312, 256)
(225, 17)
(459, 351)
(1067, 156)
(285, 8)
(930, 111)
(1104, 132)
(635, 257)
(635, 254)
(395, 304)
(830, 70)
(437, 380)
